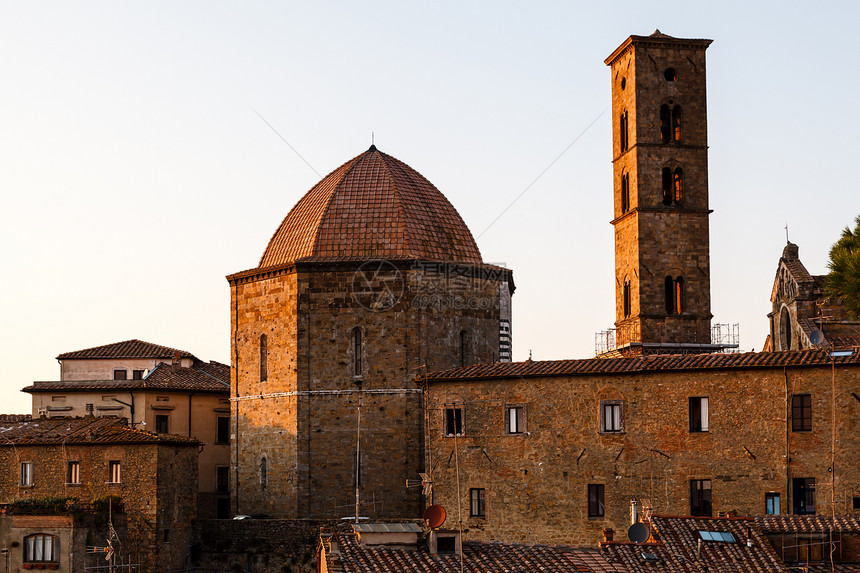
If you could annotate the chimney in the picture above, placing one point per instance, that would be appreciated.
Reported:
(176, 364)
(634, 512)
(608, 534)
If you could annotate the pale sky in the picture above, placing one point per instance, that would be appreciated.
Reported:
(135, 172)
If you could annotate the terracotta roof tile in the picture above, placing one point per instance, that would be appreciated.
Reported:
(808, 523)
(87, 430)
(477, 558)
(126, 349)
(199, 377)
(372, 207)
(648, 363)
(676, 545)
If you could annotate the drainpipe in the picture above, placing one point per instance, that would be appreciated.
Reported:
(189, 413)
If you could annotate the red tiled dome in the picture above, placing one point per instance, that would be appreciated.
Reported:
(372, 207)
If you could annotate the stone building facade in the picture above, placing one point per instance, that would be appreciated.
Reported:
(660, 208)
(553, 452)
(803, 316)
(155, 476)
(371, 280)
(156, 388)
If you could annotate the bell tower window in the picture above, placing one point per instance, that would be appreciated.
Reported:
(264, 358)
(670, 123)
(356, 351)
(625, 192)
(622, 130)
(673, 186)
(674, 290)
(626, 298)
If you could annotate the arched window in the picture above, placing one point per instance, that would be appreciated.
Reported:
(41, 548)
(264, 358)
(625, 298)
(784, 329)
(670, 123)
(625, 192)
(463, 348)
(622, 131)
(673, 186)
(678, 185)
(264, 473)
(674, 292)
(356, 351)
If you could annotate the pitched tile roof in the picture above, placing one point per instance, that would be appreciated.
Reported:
(199, 377)
(646, 363)
(372, 207)
(808, 523)
(675, 542)
(477, 558)
(126, 349)
(87, 430)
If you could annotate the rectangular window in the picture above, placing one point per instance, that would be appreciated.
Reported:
(698, 414)
(611, 421)
(222, 508)
(771, 503)
(73, 474)
(222, 435)
(595, 500)
(856, 502)
(809, 549)
(162, 424)
(801, 412)
(453, 422)
(477, 503)
(26, 473)
(222, 479)
(120, 374)
(700, 497)
(137, 374)
(162, 398)
(515, 419)
(108, 398)
(114, 472)
(803, 493)
(60, 399)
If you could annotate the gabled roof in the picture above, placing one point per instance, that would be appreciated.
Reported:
(126, 349)
(87, 430)
(675, 543)
(199, 377)
(645, 363)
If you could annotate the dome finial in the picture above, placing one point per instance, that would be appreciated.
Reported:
(372, 142)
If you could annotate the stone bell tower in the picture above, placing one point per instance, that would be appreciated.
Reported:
(660, 180)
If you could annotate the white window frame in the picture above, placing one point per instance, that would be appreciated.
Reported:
(515, 419)
(704, 414)
(73, 472)
(611, 417)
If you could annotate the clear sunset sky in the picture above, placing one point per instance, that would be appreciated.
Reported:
(136, 171)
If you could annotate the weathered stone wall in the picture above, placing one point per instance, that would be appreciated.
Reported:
(413, 318)
(537, 483)
(158, 487)
(260, 545)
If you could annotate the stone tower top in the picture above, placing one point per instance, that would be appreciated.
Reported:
(658, 38)
(372, 207)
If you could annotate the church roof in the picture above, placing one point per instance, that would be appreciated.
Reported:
(372, 207)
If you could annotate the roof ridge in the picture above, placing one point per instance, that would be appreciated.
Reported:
(398, 201)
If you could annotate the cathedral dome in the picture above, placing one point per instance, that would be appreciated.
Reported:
(372, 207)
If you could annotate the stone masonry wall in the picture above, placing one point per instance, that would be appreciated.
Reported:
(536, 483)
(413, 318)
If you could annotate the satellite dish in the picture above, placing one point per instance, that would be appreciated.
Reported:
(638, 533)
(816, 337)
(434, 516)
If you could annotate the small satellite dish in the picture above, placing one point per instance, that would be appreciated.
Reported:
(816, 337)
(638, 533)
(434, 516)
